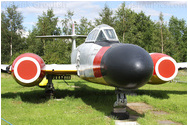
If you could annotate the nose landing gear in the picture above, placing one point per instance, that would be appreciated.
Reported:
(119, 108)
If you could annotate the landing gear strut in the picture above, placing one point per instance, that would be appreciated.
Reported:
(49, 90)
(119, 108)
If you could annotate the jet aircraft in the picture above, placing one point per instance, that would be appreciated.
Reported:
(100, 59)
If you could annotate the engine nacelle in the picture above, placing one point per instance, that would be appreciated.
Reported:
(27, 69)
(165, 68)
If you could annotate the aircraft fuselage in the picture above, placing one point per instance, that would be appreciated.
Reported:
(114, 64)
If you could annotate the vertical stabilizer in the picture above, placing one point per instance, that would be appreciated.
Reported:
(73, 39)
(73, 29)
(73, 44)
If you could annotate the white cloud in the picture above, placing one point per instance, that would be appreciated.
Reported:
(38, 9)
(176, 3)
(162, 3)
(90, 9)
(81, 9)
(34, 9)
(86, 8)
(148, 10)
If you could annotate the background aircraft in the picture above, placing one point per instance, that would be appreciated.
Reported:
(100, 59)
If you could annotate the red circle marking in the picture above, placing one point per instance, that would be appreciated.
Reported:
(27, 69)
(166, 68)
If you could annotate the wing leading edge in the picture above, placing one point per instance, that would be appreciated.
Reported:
(182, 65)
(5, 68)
(60, 69)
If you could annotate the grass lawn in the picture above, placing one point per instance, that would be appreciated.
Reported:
(85, 103)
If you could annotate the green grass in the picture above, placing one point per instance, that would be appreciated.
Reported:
(90, 104)
(169, 97)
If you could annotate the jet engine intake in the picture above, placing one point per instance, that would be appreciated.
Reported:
(27, 69)
(165, 68)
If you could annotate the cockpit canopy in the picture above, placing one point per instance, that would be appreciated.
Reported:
(102, 33)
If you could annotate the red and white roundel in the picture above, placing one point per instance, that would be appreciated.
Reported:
(165, 67)
(27, 69)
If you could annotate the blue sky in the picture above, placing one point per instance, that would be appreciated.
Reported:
(90, 9)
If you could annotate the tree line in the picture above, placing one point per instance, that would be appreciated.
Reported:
(131, 27)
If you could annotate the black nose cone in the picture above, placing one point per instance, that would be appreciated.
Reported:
(127, 66)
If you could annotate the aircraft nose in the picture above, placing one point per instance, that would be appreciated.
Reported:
(126, 65)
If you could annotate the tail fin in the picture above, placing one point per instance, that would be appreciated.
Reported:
(73, 39)
(73, 29)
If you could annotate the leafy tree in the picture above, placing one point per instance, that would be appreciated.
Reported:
(57, 52)
(169, 46)
(83, 28)
(46, 25)
(168, 42)
(156, 38)
(178, 29)
(105, 17)
(144, 27)
(161, 19)
(125, 20)
(11, 25)
(67, 23)
(120, 23)
(5, 37)
(35, 45)
(134, 28)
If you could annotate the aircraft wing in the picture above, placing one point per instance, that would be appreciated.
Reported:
(62, 36)
(182, 65)
(55, 69)
(60, 69)
(4, 67)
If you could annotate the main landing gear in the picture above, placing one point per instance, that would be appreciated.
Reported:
(49, 90)
(119, 108)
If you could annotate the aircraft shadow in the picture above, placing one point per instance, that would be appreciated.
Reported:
(160, 94)
(101, 100)
(35, 96)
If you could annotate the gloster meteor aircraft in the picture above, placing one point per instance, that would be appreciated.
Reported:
(100, 59)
